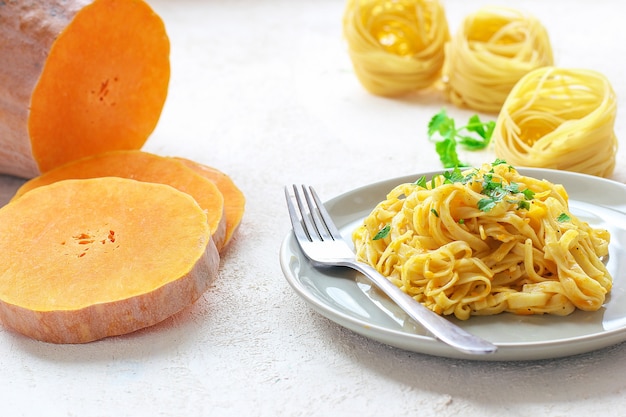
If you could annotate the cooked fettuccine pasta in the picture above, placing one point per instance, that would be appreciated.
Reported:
(486, 241)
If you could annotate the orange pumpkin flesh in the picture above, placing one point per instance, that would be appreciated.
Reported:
(143, 166)
(234, 200)
(78, 77)
(82, 260)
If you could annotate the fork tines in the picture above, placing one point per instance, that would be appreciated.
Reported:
(313, 221)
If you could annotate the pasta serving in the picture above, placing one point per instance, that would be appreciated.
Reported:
(485, 241)
(494, 48)
(396, 46)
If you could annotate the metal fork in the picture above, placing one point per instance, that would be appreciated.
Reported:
(322, 244)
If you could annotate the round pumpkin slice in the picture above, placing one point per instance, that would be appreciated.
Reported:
(82, 260)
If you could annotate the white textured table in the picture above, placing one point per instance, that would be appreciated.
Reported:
(259, 89)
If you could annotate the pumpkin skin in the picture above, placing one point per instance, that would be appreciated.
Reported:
(78, 79)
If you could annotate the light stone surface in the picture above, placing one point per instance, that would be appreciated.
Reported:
(264, 90)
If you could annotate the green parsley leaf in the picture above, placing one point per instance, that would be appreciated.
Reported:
(446, 149)
(433, 211)
(486, 204)
(483, 129)
(382, 233)
(563, 217)
(441, 123)
(474, 136)
(528, 194)
(513, 188)
(453, 176)
(471, 143)
(421, 181)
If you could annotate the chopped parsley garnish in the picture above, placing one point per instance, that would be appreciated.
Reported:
(492, 188)
(486, 204)
(528, 194)
(496, 192)
(382, 233)
(453, 176)
(499, 161)
(421, 181)
(563, 217)
(474, 136)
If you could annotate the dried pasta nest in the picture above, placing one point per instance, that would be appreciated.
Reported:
(493, 49)
(561, 119)
(396, 46)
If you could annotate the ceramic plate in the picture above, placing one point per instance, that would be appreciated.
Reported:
(346, 297)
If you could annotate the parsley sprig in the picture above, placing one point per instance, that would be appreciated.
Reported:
(442, 130)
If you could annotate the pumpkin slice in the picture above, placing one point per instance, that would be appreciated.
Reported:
(78, 77)
(81, 260)
(143, 166)
(234, 200)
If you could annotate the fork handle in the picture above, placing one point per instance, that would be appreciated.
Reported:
(440, 327)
